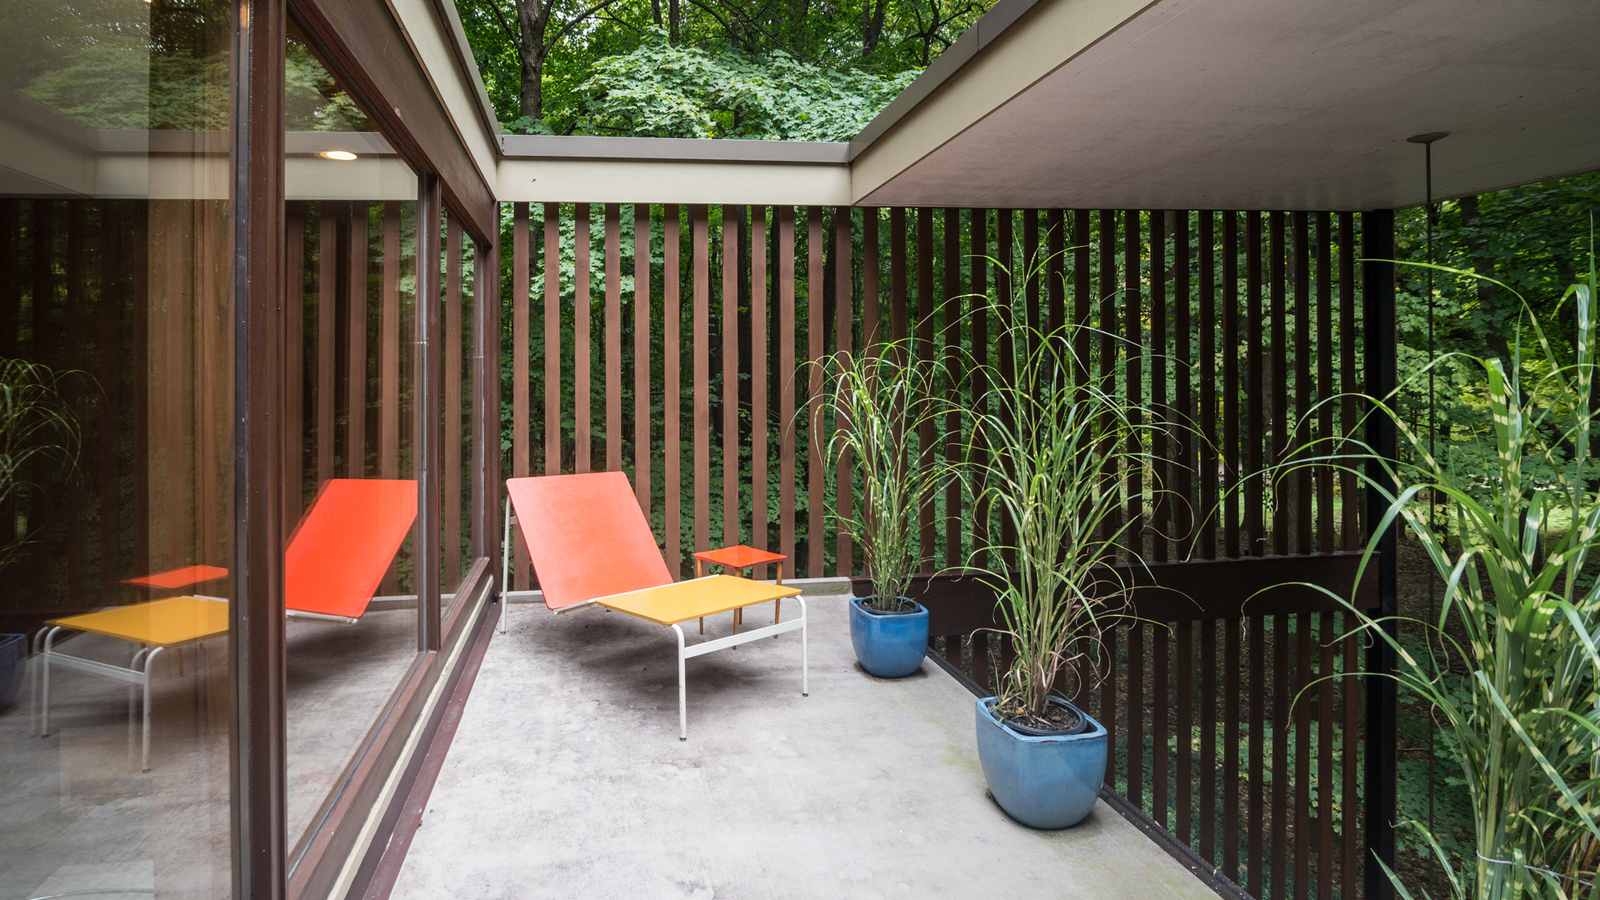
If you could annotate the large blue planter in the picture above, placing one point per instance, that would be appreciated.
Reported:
(13, 664)
(888, 645)
(1042, 782)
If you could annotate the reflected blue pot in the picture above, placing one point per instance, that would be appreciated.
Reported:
(888, 645)
(1042, 782)
(13, 665)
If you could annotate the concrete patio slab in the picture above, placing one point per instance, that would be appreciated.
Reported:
(566, 779)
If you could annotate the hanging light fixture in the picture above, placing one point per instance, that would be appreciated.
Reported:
(1426, 140)
(340, 155)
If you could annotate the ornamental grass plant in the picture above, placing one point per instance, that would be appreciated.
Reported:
(35, 427)
(879, 398)
(1516, 550)
(1055, 443)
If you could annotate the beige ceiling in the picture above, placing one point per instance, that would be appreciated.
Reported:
(1249, 104)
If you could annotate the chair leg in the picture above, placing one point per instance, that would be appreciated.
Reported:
(683, 705)
(149, 658)
(44, 715)
(805, 653)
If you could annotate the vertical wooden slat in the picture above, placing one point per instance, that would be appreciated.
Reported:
(109, 313)
(1326, 688)
(356, 384)
(1282, 693)
(1255, 426)
(1302, 375)
(1207, 367)
(953, 514)
(450, 439)
(327, 338)
(700, 273)
(1185, 750)
(294, 363)
(1183, 442)
(1109, 671)
(1160, 440)
(1230, 381)
(1349, 335)
(1325, 474)
(641, 357)
(870, 331)
(977, 251)
(1350, 693)
(76, 358)
(1208, 742)
(672, 361)
(1255, 825)
(897, 274)
(1109, 328)
(140, 399)
(613, 347)
(1136, 683)
(1230, 748)
(785, 377)
(1303, 840)
(1031, 268)
(816, 333)
(1278, 379)
(552, 339)
(759, 386)
(582, 378)
(1082, 296)
(729, 326)
(1004, 286)
(1056, 241)
(843, 317)
(1133, 370)
(980, 660)
(1160, 717)
(389, 348)
(925, 353)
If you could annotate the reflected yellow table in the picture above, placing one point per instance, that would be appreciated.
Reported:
(674, 604)
(154, 626)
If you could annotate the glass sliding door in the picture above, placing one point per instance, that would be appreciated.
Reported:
(351, 387)
(116, 456)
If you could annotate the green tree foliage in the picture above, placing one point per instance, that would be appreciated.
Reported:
(663, 90)
(847, 53)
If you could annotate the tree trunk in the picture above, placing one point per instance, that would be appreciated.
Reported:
(533, 17)
(672, 22)
(872, 26)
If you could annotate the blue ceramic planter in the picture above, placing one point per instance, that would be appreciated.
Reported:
(1042, 782)
(888, 645)
(13, 663)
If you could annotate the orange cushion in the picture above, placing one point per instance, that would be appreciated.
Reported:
(586, 536)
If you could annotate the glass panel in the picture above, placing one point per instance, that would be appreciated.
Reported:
(351, 218)
(456, 439)
(116, 362)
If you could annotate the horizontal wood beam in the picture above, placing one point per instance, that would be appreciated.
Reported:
(1197, 590)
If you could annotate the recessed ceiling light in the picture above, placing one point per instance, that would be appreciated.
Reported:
(342, 155)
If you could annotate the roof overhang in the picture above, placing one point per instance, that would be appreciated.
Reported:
(1241, 104)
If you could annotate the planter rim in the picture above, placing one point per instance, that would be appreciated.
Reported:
(1094, 730)
(860, 602)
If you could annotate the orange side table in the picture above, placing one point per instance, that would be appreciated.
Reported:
(738, 559)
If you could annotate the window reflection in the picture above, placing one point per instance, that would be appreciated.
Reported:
(115, 476)
(351, 224)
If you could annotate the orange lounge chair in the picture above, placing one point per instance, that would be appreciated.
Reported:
(336, 559)
(591, 546)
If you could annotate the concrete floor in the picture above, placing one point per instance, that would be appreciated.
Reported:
(566, 779)
(77, 813)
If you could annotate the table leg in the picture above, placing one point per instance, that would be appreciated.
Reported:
(133, 698)
(505, 569)
(805, 660)
(683, 706)
(49, 644)
(148, 659)
(777, 605)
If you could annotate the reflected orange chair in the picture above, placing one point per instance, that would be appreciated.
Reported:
(337, 557)
(590, 545)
